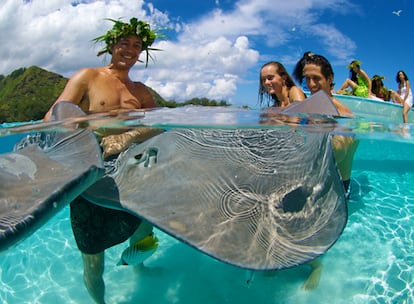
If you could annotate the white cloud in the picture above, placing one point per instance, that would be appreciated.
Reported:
(331, 38)
(56, 34)
(207, 70)
(209, 57)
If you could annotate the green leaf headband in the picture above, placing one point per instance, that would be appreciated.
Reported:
(354, 63)
(377, 77)
(121, 29)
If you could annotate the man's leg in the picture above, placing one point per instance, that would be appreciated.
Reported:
(93, 269)
(314, 277)
(344, 148)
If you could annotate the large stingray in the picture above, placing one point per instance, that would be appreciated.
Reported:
(44, 176)
(268, 198)
(254, 198)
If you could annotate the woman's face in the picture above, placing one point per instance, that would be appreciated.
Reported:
(356, 68)
(315, 80)
(401, 76)
(271, 80)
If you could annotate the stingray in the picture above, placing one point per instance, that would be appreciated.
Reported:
(47, 172)
(260, 198)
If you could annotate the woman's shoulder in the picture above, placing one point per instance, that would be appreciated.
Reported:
(296, 93)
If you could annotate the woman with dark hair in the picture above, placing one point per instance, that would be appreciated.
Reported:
(359, 81)
(276, 86)
(404, 94)
(378, 88)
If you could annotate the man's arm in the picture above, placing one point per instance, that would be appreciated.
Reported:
(75, 89)
(114, 144)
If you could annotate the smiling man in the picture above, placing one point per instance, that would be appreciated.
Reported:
(109, 87)
(319, 75)
(104, 89)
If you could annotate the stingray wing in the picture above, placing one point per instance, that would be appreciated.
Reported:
(48, 171)
(257, 199)
(319, 103)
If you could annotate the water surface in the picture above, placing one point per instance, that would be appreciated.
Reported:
(372, 262)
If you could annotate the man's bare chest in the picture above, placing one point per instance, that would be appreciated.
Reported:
(111, 95)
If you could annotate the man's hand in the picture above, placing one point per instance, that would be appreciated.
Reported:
(114, 144)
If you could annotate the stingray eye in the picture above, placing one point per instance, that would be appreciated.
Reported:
(295, 200)
(147, 158)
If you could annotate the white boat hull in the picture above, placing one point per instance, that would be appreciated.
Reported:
(374, 110)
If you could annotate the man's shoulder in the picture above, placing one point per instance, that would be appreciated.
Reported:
(139, 83)
(87, 72)
(145, 95)
(141, 86)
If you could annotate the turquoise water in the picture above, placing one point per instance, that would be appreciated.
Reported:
(372, 262)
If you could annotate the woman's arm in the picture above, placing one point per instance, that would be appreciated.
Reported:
(365, 75)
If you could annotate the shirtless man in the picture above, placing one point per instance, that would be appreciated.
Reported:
(109, 88)
(319, 75)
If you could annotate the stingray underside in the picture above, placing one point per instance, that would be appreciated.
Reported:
(258, 199)
(45, 173)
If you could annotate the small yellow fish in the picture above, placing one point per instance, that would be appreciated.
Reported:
(140, 251)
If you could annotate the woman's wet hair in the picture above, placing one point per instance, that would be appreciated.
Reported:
(265, 99)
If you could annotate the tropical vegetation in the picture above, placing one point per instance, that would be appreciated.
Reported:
(27, 94)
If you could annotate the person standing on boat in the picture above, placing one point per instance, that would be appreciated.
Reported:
(359, 81)
(109, 88)
(404, 94)
(277, 87)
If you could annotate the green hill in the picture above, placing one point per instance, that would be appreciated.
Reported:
(27, 94)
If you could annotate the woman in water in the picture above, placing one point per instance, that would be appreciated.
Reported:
(277, 87)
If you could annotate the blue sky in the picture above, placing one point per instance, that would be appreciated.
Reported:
(215, 48)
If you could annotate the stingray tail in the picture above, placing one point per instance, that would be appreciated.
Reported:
(249, 277)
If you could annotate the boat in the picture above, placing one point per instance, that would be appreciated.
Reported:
(374, 110)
